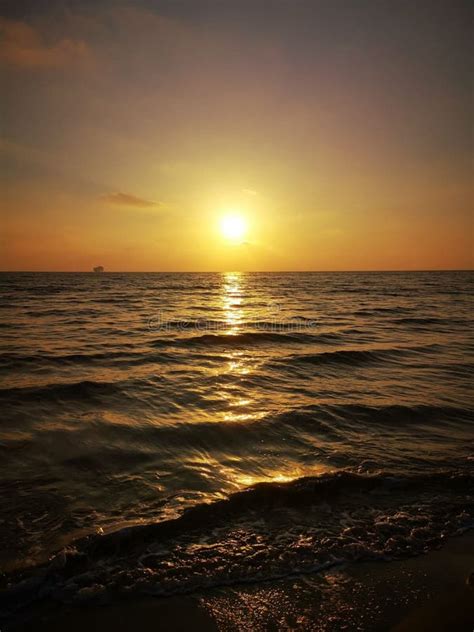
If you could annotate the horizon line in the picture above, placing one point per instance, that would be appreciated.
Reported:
(236, 271)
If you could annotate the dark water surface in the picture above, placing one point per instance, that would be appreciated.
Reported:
(129, 398)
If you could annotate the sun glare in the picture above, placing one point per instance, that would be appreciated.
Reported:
(233, 227)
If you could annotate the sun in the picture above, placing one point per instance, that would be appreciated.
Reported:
(233, 227)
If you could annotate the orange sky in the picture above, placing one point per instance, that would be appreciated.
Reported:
(341, 135)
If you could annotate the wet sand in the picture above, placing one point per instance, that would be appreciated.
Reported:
(429, 592)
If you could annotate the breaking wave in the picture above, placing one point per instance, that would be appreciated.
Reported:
(269, 531)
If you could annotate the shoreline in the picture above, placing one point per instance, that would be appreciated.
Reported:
(428, 592)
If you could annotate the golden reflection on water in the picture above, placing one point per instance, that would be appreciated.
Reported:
(281, 474)
(237, 363)
(241, 407)
(232, 301)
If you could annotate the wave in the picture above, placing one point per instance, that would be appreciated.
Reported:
(86, 389)
(349, 357)
(430, 320)
(268, 531)
(221, 325)
(338, 416)
(301, 492)
(373, 311)
(247, 338)
(17, 361)
(357, 357)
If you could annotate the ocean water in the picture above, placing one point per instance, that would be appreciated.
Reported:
(163, 433)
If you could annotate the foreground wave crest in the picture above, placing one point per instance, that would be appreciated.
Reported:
(266, 532)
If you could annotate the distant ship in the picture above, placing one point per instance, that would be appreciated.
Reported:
(98, 269)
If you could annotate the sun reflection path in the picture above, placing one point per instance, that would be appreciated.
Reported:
(238, 406)
(232, 301)
(243, 402)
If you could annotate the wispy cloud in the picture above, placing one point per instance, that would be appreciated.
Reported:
(23, 45)
(126, 199)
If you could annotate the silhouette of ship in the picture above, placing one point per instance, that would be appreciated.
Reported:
(98, 269)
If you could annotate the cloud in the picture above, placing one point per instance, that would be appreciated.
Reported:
(126, 199)
(249, 192)
(24, 46)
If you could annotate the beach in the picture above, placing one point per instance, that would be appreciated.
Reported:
(427, 593)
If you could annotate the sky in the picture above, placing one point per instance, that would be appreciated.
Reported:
(339, 132)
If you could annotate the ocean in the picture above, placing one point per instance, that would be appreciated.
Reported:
(165, 433)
